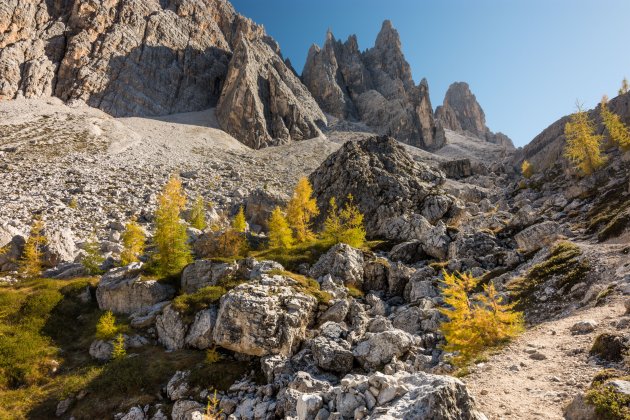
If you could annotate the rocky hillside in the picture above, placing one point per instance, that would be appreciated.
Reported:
(546, 149)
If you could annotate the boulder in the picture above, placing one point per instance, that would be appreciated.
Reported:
(342, 262)
(60, 247)
(202, 273)
(171, 329)
(263, 317)
(584, 327)
(378, 349)
(260, 203)
(538, 236)
(188, 410)
(200, 332)
(101, 350)
(427, 397)
(123, 290)
(178, 387)
(332, 355)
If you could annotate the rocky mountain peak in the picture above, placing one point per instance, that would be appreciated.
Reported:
(374, 87)
(461, 112)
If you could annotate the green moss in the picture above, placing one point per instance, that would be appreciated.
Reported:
(305, 285)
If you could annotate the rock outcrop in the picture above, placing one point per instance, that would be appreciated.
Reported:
(156, 57)
(263, 102)
(375, 87)
(123, 290)
(263, 317)
(462, 113)
(392, 190)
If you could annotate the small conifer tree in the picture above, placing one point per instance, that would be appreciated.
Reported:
(618, 131)
(106, 328)
(475, 326)
(583, 146)
(93, 257)
(173, 252)
(280, 235)
(625, 87)
(301, 209)
(527, 169)
(239, 223)
(198, 214)
(118, 351)
(31, 262)
(345, 226)
(133, 239)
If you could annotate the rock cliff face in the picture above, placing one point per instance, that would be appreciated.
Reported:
(263, 102)
(374, 87)
(462, 113)
(154, 57)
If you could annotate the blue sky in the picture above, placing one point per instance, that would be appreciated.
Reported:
(527, 61)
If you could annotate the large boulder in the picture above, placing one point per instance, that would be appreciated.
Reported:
(171, 328)
(60, 247)
(202, 273)
(332, 355)
(200, 332)
(427, 397)
(538, 236)
(342, 262)
(385, 182)
(378, 349)
(264, 317)
(260, 203)
(124, 290)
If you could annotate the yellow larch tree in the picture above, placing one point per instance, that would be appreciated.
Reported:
(618, 131)
(173, 252)
(473, 326)
(280, 234)
(31, 261)
(583, 146)
(625, 87)
(133, 239)
(345, 226)
(239, 223)
(198, 214)
(301, 209)
(527, 169)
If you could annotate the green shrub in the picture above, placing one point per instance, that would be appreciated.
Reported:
(609, 404)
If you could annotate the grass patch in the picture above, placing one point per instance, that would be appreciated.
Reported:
(354, 291)
(45, 331)
(305, 285)
(189, 304)
(563, 262)
(308, 252)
